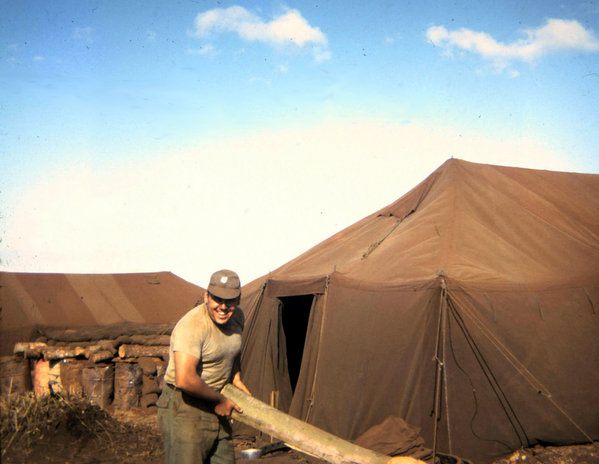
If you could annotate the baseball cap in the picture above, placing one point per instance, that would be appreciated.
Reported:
(225, 284)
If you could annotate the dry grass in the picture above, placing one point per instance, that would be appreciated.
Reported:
(25, 419)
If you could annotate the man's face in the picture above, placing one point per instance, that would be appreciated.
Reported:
(220, 310)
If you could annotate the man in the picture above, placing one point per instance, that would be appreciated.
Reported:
(204, 356)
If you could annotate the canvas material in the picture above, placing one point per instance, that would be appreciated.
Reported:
(498, 265)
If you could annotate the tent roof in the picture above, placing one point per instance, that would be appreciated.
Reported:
(488, 226)
(76, 300)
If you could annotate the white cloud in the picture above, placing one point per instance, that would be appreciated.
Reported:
(167, 213)
(39, 58)
(556, 35)
(283, 68)
(289, 30)
(151, 36)
(84, 33)
(393, 39)
(321, 55)
(207, 49)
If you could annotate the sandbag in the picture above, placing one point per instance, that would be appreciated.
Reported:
(148, 365)
(127, 385)
(41, 377)
(98, 384)
(71, 377)
(15, 378)
(149, 400)
(150, 385)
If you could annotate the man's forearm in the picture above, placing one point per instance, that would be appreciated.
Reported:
(239, 384)
(195, 386)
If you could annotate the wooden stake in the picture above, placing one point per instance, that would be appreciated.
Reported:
(274, 403)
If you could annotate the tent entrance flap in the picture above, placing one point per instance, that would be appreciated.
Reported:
(295, 314)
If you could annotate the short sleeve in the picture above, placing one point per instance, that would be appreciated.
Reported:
(188, 335)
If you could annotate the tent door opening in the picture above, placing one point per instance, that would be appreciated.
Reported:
(295, 314)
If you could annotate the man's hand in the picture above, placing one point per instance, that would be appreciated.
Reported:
(225, 407)
(239, 384)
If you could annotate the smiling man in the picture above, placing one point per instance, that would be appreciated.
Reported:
(204, 356)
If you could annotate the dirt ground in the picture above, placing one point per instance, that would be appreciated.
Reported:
(95, 436)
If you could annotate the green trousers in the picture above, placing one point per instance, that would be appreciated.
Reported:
(192, 432)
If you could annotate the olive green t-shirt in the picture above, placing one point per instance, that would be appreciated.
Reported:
(216, 346)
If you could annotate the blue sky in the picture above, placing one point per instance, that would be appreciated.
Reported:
(191, 136)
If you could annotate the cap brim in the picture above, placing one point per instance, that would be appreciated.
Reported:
(224, 293)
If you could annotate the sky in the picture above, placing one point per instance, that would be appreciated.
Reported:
(190, 136)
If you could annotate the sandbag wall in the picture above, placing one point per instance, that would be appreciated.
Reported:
(119, 366)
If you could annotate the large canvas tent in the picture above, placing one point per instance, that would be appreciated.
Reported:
(75, 300)
(468, 308)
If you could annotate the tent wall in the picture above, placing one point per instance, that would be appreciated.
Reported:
(371, 353)
(535, 374)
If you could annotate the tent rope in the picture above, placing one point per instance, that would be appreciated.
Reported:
(473, 393)
(494, 384)
(320, 337)
(445, 383)
(520, 368)
(537, 385)
(440, 374)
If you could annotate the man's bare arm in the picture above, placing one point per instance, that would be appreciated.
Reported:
(188, 380)
(239, 384)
